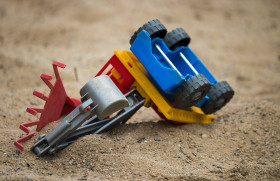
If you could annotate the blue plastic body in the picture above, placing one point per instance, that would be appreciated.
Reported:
(161, 73)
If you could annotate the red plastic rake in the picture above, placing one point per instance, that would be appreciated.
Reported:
(57, 103)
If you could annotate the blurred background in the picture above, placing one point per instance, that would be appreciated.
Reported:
(238, 41)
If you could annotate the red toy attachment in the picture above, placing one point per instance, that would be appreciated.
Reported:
(118, 74)
(57, 103)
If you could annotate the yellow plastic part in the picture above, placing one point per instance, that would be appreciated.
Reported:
(151, 94)
(148, 101)
(117, 76)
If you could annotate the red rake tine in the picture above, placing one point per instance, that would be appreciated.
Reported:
(22, 139)
(40, 95)
(55, 65)
(34, 111)
(46, 78)
(24, 126)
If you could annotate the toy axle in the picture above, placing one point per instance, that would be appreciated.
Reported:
(167, 59)
(189, 64)
(172, 65)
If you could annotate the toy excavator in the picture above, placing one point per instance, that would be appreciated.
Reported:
(160, 71)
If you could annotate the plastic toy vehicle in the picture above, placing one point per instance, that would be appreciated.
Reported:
(161, 72)
(131, 73)
(130, 77)
(176, 70)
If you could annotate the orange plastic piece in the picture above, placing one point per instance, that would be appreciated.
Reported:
(118, 74)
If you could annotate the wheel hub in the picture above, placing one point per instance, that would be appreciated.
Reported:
(220, 102)
(197, 96)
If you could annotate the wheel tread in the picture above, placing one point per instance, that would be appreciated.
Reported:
(218, 91)
(153, 27)
(176, 38)
(185, 92)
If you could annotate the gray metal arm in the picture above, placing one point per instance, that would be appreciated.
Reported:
(96, 126)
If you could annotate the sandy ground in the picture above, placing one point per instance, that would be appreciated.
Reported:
(239, 41)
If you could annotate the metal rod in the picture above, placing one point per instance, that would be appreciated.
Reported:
(187, 61)
(167, 59)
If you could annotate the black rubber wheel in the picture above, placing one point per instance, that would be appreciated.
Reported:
(177, 38)
(220, 94)
(155, 28)
(192, 91)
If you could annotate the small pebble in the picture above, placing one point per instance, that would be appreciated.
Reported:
(139, 140)
(28, 178)
(220, 167)
(11, 93)
(204, 136)
(267, 143)
(240, 77)
(157, 139)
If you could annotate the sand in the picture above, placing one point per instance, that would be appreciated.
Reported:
(239, 41)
